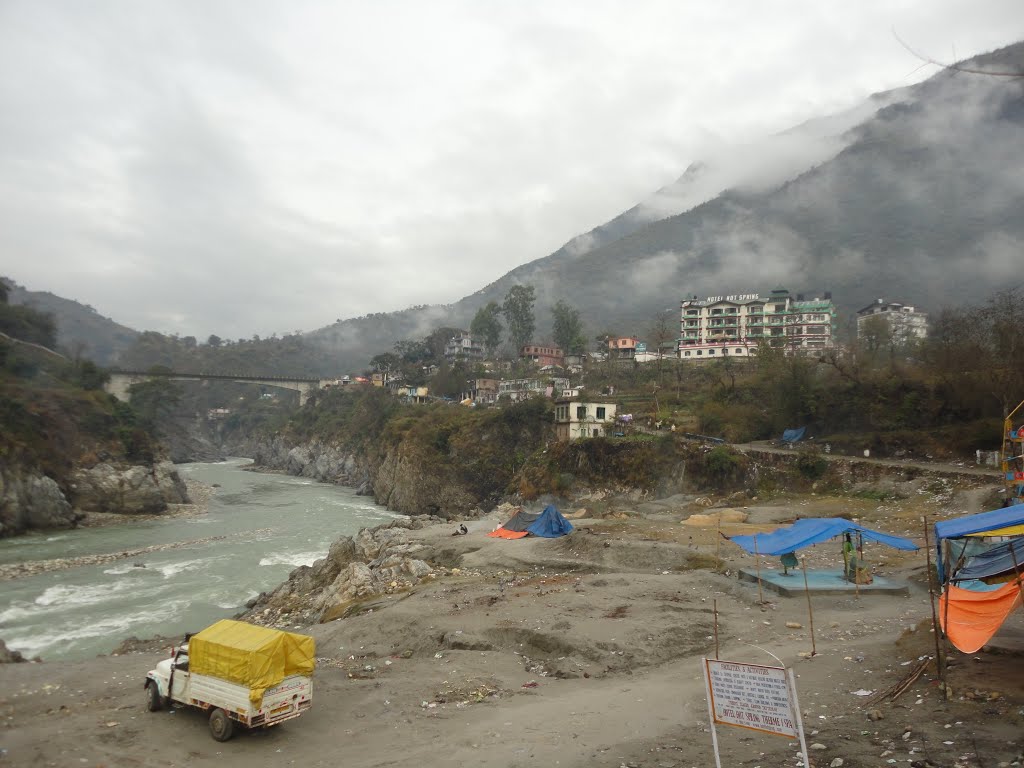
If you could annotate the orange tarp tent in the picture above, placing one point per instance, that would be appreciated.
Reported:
(974, 617)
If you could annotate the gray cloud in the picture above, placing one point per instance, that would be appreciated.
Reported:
(250, 167)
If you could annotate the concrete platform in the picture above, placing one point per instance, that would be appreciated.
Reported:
(821, 582)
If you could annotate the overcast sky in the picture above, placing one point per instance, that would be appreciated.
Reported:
(204, 166)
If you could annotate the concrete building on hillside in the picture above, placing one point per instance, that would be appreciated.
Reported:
(576, 418)
(542, 355)
(463, 346)
(623, 348)
(735, 325)
(481, 391)
(903, 323)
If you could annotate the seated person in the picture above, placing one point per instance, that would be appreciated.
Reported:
(789, 561)
(857, 571)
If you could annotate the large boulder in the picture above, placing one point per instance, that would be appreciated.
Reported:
(128, 490)
(373, 562)
(29, 500)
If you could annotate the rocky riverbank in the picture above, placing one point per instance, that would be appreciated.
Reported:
(32, 501)
(395, 480)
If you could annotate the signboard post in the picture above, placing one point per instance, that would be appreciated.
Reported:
(755, 697)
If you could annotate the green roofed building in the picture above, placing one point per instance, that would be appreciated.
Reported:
(735, 325)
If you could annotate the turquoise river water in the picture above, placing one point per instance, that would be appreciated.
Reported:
(258, 528)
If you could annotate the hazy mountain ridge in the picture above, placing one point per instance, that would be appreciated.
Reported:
(920, 203)
(914, 195)
(81, 330)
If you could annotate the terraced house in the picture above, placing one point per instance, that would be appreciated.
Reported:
(736, 325)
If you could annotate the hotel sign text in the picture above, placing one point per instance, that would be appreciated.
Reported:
(733, 297)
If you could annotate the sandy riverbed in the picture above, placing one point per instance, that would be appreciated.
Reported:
(581, 651)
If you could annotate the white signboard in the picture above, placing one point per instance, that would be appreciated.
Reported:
(751, 696)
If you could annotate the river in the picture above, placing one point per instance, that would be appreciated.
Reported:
(258, 528)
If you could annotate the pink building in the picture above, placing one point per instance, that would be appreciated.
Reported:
(542, 355)
(623, 348)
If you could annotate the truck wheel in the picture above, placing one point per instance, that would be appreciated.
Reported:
(153, 701)
(222, 727)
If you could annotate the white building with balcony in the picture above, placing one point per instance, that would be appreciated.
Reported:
(736, 325)
(575, 419)
(463, 347)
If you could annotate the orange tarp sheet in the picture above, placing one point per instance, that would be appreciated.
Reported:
(974, 617)
(503, 533)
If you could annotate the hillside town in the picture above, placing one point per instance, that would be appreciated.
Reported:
(722, 327)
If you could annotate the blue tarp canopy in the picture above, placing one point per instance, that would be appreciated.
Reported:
(1001, 558)
(551, 524)
(793, 435)
(981, 522)
(813, 530)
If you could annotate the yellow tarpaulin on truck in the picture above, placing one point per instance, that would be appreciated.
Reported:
(257, 657)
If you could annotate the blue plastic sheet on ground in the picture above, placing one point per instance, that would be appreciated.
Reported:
(793, 435)
(804, 533)
(550, 525)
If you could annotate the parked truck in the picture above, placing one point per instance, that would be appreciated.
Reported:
(240, 673)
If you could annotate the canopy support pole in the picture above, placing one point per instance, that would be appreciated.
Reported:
(810, 610)
(945, 626)
(715, 604)
(939, 666)
(757, 566)
(1016, 568)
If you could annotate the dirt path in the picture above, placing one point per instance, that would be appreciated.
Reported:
(937, 467)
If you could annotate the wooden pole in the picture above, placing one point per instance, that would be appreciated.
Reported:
(757, 567)
(860, 559)
(715, 604)
(810, 610)
(718, 540)
(1016, 567)
(945, 624)
(939, 667)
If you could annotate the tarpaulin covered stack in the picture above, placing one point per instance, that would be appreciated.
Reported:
(549, 524)
(515, 527)
(971, 611)
(257, 657)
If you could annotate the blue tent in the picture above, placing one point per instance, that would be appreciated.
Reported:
(793, 435)
(813, 530)
(551, 524)
(997, 520)
(1008, 556)
(1008, 517)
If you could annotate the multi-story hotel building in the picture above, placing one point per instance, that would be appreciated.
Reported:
(734, 326)
(904, 322)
